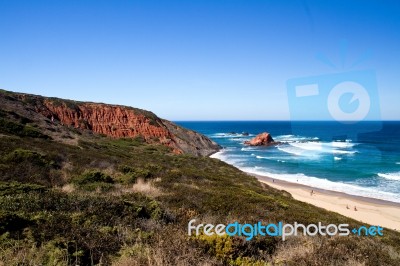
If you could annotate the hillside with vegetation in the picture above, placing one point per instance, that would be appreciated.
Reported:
(71, 196)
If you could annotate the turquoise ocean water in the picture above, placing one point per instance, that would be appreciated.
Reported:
(319, 154)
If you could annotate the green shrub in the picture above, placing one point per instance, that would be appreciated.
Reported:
(132, 174)
(93, 177)
(20, 155)
(7, 126)
(29, 167)
(97, 186)
(11, 222)
(29, 131)
(13, 188)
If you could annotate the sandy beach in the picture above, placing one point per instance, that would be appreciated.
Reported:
(369, 210)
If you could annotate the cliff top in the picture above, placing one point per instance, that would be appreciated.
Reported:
(68, 121)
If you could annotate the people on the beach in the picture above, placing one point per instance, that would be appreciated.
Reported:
(355, 207)
(312, 192)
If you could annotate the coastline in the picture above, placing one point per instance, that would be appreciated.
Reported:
(369, 210)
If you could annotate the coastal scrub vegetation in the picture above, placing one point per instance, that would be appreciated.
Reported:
(110, 201)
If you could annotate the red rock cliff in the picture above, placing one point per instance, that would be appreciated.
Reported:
(121, 122)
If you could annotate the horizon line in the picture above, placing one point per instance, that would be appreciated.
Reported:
(228, 120)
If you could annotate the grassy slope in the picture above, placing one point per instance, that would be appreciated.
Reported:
(64, 205)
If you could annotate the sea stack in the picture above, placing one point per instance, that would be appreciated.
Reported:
(263, 139)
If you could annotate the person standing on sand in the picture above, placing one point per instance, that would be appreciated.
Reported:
(355, 208)
(312, 192)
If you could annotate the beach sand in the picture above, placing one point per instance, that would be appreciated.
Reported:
(370, 211)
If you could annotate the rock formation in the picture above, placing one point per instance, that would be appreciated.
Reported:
(263, 139)
(114, 121)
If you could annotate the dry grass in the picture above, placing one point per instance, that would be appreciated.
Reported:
(170, 248)
(68, 188)
(146, 187)
(293, 248)
(17, 255)
(395, 255)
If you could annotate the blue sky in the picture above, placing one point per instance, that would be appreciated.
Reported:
(196, 60)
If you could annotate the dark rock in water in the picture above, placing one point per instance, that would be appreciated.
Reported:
(245, 133)
(263, 139)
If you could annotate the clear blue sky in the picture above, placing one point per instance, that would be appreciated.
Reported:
(195, 60)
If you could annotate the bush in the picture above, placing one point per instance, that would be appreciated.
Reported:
(20, 155)
(93, 177)
(29, 167)
(93, 181)
(132, 174)
(97, 186)
(11, 222)
(7, 126)
(13, 188)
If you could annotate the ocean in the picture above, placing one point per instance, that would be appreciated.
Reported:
(319, 154)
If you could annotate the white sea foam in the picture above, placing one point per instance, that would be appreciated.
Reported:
(218, 155)
(330, 147)
(313, 144)
(315, 148)
(220, 135)
(310, 146)
(390, 176)
(343, 152)
(229, 135)
(293, 138)
(296, 151)
(342, 145)
(337, 158)
(231, 159)
(248, 149)
(239, 139)
(286, 136)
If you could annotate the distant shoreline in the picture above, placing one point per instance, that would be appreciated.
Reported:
(288, 184)
(369, 210)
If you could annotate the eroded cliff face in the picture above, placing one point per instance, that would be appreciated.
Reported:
(111, 120)
(120, 122)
